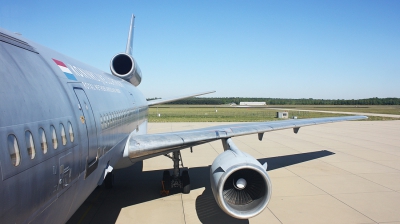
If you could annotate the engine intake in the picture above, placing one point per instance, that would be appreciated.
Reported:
(125, 67)
(240, 184)
(241, 197)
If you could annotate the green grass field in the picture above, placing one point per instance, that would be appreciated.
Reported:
(200, 113)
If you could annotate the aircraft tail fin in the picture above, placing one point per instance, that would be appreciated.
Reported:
(123, 65)
(130, 36)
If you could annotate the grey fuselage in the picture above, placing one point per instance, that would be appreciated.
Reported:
(62, 123)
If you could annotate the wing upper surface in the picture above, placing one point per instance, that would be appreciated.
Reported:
(150, 145)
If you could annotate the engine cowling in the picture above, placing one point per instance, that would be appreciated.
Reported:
(125, 67)
(240, 184)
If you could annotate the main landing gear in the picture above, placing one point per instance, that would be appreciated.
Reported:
(176, 180)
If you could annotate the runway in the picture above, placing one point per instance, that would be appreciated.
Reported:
(346, 172)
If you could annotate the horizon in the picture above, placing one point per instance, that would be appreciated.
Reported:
(284, 98)
(309, 49)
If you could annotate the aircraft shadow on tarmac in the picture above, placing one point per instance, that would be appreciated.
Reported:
(132, 186)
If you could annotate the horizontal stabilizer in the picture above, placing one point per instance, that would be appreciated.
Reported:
(170, 99)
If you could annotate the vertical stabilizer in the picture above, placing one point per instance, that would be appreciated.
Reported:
(130, 37)
(123, 65)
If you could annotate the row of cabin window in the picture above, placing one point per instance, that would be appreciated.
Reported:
(14, 149)
(110, 119)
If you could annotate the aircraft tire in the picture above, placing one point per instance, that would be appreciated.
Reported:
(185, 182)
(109, 180)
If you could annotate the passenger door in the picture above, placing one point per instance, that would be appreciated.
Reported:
(87, 119)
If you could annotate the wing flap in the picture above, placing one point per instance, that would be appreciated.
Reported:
(155, 144)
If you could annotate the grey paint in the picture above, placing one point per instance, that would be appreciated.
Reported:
(143, 145)
(35, 93)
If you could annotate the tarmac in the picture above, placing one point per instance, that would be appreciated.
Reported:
(347, 172)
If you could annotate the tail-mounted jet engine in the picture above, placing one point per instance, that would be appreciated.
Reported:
(240, 184)
(125, 67)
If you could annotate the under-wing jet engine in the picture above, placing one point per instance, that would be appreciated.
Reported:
(240, 184)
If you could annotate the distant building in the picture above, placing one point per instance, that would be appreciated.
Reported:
(284, 115)
(253, 103)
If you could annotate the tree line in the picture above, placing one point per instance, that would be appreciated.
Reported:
(279, 101)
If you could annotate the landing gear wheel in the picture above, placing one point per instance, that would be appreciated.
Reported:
(185, 182)
(109, 181)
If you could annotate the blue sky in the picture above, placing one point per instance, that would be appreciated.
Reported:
(281, 49)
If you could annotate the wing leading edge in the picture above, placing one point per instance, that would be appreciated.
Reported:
(146, 146)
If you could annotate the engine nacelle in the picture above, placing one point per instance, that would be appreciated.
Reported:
(125, 67)
(240, 184)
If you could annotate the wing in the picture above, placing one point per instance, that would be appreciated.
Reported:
(166, 100)
(150, 145)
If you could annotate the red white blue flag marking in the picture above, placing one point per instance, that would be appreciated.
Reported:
(65, 69)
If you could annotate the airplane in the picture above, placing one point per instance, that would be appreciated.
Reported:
(65, 126)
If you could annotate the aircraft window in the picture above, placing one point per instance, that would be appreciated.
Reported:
(54, 137)
(71, 132)
(14, 150)
(43, 141)
(63, 136)
(30, 144)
